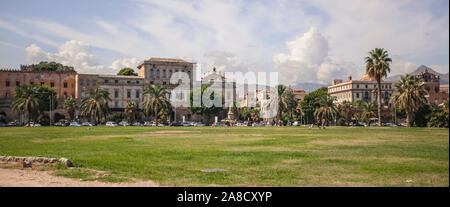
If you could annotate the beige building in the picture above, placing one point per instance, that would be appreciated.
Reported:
(363, 89)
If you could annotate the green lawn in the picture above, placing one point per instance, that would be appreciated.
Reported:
(252, 156)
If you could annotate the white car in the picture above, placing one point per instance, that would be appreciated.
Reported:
(87, 124)
(199, 124)
(124, 123)
(241, 124)
(296, 123)
(75, 124)
(111, 123)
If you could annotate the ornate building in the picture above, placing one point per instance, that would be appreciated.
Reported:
(363, 89)
(432, 85)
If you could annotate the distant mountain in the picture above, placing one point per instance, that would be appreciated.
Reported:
(308, 87)
(443, 77)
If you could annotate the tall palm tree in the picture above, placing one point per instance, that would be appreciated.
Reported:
(95, 105)
(377, 67)
(281, 89)
(326, 111)
(156, 100)
(71, 106)
(26, 101)
(131, 110)
(409, 95)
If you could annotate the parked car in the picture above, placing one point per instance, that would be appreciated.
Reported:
(199, 124)
(390, 124)
(124, 123)
(137, 124)
(256, 124)
(3, 124)
(111, 123)
(296, 123)
(11, 124)
(87, 124)
(147, 123)
(176, 124)
(218, 124)
(75, 124)
(161, 124)
(185, 124)
(241, 124)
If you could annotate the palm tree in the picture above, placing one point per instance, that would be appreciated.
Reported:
(71, 106)
(326, 111)
(409, 95)
(346, 108)
(367, 112)
(156, 101)
(131, 110)
(281, 89)
(26, 101)
(377, 67)
(95, 105)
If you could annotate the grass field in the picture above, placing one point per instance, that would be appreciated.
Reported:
(251, 156)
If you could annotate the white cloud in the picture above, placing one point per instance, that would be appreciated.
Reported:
(79, 55)
(308, 61)
(124, 63)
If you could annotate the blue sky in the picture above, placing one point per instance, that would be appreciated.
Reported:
(305, 41)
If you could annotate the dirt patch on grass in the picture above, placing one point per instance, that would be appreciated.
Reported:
(34, 178)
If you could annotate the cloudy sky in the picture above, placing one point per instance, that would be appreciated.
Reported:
(305, 41)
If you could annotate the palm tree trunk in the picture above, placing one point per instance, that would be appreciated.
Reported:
(408, 119)
(379, 101)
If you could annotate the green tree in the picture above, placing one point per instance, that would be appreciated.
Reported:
(367, 112)
(236, 111)
(326, 111)
(281, 90)
(131, 109)
(95, 105)
(377, 67)
(156, 101)
(127, 71)
(204, 110)
(310, 103)
(346, 108)
(26, 101)
(439, 117)
(53, 66)
(71, 105)
(409, 95)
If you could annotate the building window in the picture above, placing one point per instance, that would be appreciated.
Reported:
(81, 82)
(116, 81)
(357, 95)
(164, 73)
(151, 82)
(164, 83)
(94, 82)
(170, 73)
(106, 80)
(6, 94)
(83, 94)
(137, 93)
(7, 83)
(65, 95)
(17, 83)
(128, 82)
(88, 82)
(52, 84)
(116, 94)
(129, 94)
(137, 82)
(151, 73)
(366, 85)
(65, 84)
(357, 85)
(116, 104)
(42, 83)
(157, 73)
